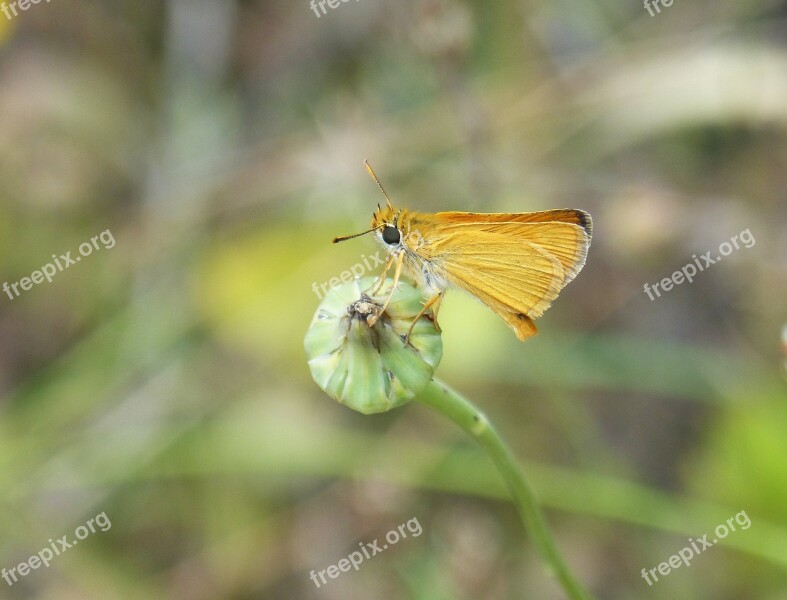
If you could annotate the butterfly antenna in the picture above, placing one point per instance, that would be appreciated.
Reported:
(341, 238)
(377, 181)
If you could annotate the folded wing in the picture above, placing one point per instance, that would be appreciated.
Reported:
(516, 267)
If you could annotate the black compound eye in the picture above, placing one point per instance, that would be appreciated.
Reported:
(391, 235)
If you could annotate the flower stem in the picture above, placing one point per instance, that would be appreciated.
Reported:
(461, 411)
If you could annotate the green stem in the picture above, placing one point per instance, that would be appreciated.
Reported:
(461, 411)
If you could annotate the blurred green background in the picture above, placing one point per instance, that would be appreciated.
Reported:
(163, 380)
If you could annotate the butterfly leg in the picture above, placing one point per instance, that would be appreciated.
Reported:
(381, 279)
(435, 308)
(434, 304)
(397, 273)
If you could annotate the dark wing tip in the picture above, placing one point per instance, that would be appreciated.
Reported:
(585, 221)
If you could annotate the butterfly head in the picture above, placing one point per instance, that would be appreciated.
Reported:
(386, 223)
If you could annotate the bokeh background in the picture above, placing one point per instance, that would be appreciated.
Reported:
(163, 381)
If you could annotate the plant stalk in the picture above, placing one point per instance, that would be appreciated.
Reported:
(461, 411)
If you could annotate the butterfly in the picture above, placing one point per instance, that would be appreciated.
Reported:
(514, 263)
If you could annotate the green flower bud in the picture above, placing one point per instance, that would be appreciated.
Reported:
(368, 367)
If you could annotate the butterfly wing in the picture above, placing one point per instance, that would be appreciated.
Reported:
(517, 268)
(560, 215)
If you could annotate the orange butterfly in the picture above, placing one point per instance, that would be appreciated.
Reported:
(515, 263)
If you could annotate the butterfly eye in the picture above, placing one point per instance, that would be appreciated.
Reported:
(391, 235)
